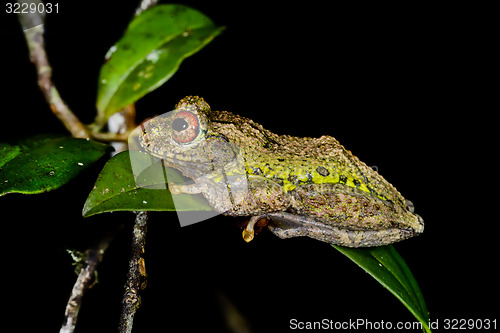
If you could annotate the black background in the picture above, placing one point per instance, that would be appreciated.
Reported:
(404, 88)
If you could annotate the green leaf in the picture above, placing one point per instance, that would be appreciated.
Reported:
(116, 190)
(149, 53)
(8, 152)
(41, 165)
(386, 266)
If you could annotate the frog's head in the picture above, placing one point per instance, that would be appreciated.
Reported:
(183, 139)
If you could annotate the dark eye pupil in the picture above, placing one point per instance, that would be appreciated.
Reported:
(179, 124)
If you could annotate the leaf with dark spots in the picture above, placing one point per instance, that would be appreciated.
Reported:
(149, 53)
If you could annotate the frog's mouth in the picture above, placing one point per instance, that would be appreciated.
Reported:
(421, 224)
(216, 158)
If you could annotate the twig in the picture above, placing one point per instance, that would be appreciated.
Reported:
(93, 257)
(136, 277)
(33, 32)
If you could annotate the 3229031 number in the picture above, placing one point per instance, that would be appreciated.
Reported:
(471, 324)
(26, 8)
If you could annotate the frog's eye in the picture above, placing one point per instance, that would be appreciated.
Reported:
(185, 127)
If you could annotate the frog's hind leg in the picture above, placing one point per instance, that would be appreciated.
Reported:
(286, 225)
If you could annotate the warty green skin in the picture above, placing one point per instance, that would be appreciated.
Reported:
(306, 186)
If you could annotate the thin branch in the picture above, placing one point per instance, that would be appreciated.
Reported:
(83, 282)
(136, 277)
(33, 32)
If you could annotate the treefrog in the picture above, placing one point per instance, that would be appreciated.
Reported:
(310, 187)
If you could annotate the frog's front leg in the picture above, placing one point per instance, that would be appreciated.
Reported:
(205, 183)
(187, 189)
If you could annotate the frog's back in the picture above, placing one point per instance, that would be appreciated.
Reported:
(293, 161)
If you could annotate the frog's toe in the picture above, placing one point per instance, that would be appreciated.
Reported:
(248, 235)
(174, 188)
(249, 232)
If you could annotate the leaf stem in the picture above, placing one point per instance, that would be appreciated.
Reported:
(110, 137)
